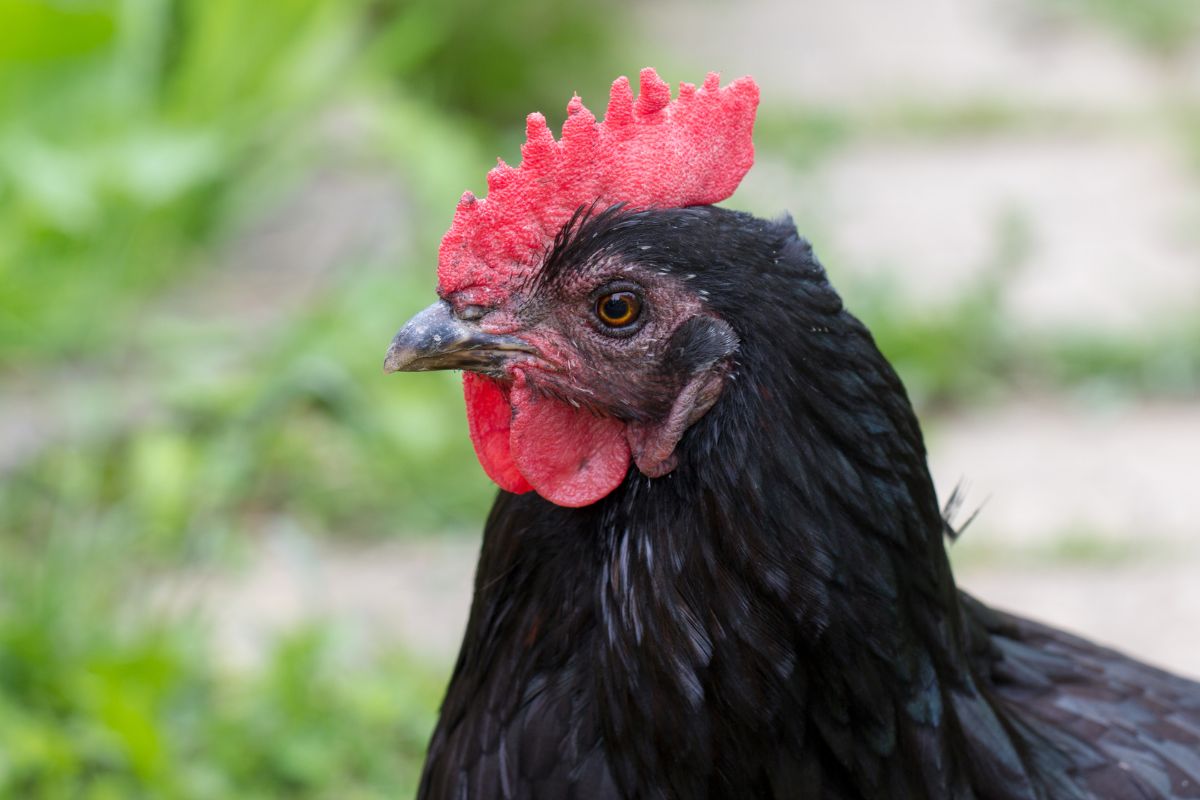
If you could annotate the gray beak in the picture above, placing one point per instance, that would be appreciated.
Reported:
(437, 339)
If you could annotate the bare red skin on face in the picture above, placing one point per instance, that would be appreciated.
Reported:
(652, 152)
(528, 441)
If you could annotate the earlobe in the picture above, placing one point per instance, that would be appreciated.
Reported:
(653, 444)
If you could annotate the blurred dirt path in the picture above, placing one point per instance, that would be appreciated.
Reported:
(1044, 467)
(866, 54)
(1091, 232)
(1023, 122)
(1055, 160)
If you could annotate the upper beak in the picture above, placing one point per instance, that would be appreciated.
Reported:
(437, 339)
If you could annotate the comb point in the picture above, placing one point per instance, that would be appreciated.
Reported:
(539, 148)
(578, 127)
(500, 176)
(620, 104)
(653, 93)
(537, 132)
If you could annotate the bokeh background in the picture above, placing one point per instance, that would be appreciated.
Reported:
(235, 560)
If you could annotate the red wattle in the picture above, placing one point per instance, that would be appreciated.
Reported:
(572, 457)
(526, 442)
(489, 418)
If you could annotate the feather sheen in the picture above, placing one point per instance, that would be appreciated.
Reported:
(777, 618)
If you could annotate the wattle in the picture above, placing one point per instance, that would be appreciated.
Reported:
(489, 419)
(529, 441)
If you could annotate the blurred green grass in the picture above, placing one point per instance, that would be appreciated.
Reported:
(102, 698)
(142, 142)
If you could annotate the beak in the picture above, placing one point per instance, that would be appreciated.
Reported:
(437, 339)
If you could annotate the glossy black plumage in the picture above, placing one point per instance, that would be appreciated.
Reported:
(777, 617)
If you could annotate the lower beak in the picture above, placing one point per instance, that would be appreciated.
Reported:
(437, 339)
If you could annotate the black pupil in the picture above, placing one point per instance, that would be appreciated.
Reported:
(616, 308)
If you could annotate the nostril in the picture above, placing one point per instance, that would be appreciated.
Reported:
(471, 313)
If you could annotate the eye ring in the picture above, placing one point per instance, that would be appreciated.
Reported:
(618, 309)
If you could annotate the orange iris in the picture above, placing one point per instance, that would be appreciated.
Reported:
(618, 309)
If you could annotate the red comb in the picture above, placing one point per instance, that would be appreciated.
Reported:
(654, 152)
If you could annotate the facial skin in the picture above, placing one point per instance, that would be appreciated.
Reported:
(620, 347)
(619, 370)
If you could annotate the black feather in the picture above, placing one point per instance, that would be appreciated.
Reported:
(777, 616)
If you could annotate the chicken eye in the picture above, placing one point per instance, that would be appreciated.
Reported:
(618, 309)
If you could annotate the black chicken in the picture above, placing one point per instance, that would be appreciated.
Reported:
(759, 603)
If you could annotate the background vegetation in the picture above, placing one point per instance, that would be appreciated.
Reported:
(143, 144)
(184, 367)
